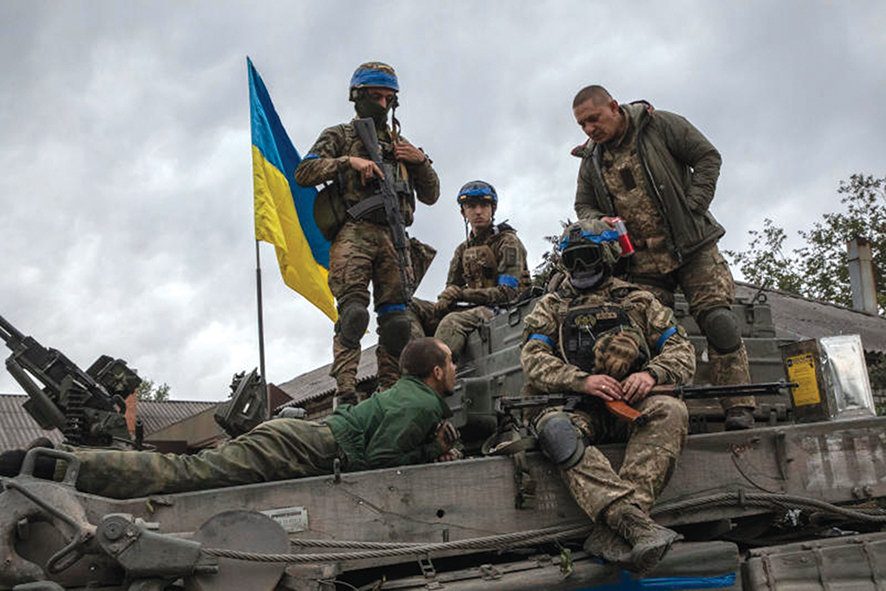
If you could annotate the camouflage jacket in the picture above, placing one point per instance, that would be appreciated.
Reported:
(542, 356)
(491, 267)
(391, 428)
(681, 168)
(328, 161)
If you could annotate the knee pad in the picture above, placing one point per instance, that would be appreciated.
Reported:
(721, 330)
(559, 440)
(394, 331)
(353, 318)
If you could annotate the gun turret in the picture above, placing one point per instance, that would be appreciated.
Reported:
(86, 406)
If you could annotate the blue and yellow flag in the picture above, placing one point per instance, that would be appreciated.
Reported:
(284, 211)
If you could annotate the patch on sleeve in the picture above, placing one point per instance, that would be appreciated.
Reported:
(509, 253)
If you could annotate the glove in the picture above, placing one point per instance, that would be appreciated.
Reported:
(615, 355)
(447, 297)
(447, 435)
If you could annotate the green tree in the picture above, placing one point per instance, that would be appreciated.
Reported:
(819, 269)
(148, 391)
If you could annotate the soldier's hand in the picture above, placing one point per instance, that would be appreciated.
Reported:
(447, 297)
(450, 456)
(603, 386)
(609, 220)
(366, 168)
(615, 354)
(405, 151)
(446, 435)
(637, 386)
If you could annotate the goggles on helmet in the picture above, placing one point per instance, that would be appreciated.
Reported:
(584, 250)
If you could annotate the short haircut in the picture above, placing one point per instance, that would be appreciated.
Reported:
(595, 92)
(421, 356)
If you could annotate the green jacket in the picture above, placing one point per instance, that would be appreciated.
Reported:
(681, 167)
(391, 428)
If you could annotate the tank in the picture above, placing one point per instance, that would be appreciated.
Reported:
(787, 505)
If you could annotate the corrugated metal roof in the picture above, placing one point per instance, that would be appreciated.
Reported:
(800, 318)
(17, 428)
(317, 383)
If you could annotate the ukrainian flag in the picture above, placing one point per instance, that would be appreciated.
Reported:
(284, 211)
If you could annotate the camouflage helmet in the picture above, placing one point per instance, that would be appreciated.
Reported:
(375, 74)
(478, 191)
(588, 251)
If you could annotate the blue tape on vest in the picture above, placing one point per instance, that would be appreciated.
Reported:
(508, 280)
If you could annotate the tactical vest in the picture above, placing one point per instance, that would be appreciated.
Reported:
(585, 323)
(346, 198)
(479, 267)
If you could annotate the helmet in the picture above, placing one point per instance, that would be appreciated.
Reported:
(588, 251)
(374, 74)
(479, 191)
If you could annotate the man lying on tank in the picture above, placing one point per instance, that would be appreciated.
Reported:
(488, 269)
(407, 424)
(606, 340)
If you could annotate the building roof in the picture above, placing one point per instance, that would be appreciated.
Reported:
(317, 383)
(796, 317)
(17, 428)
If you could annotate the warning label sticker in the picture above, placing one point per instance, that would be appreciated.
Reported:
(801, 369)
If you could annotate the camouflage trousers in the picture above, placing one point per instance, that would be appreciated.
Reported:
(362, 253)
(422, 322)
(650, 455)
(279, 449)
(706, 281)
(456, 326)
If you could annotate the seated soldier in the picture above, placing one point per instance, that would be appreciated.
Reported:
(404, 425)
(488, 269)
(605, 340)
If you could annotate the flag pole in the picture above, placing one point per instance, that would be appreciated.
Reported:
(261, 324)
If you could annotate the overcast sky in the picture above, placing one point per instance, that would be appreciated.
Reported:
(125, 165)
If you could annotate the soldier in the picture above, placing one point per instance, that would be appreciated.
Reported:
(606, 340)
(405, 425)
(488, 269)
(363, 250)
(657, 172)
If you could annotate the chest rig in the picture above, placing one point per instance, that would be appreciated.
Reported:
(587, 321)
(479, 266)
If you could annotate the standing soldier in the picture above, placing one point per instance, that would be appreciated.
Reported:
(657, 172)
(605, 340)
(488, 269)
(362, 247)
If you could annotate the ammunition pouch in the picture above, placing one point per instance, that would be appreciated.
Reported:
(330, 213)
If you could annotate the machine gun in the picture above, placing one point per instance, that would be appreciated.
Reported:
(626, 413)
(87, 406)
(365, 129)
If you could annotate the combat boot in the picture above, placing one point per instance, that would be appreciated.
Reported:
(739, 417)
(649, 541)
(607, 544)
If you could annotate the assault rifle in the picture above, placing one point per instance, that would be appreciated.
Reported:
(624, 412)
(87, 406)
(365, 128)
